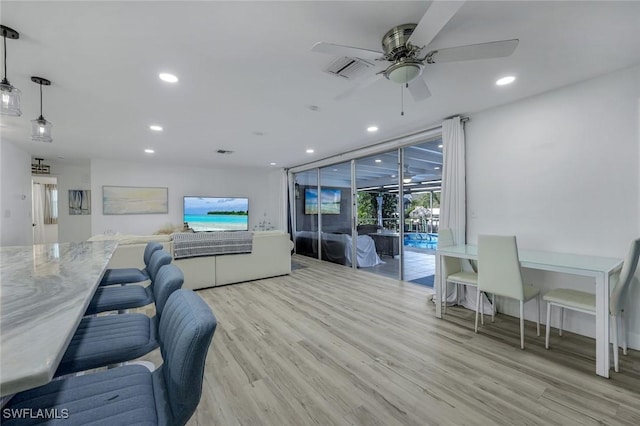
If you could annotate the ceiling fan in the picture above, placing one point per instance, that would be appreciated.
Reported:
(403, 46)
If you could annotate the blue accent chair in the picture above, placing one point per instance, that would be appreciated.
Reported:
(128, 296)
(132, 394)
(111, 339)
(119, 276)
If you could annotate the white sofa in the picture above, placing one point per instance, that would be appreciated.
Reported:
(270, 257)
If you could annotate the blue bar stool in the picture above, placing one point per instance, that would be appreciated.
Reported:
(128, 296)
(112, 339)
(117, 276)
(132, 394)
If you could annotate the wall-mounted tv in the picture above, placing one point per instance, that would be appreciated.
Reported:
(329, 201)
(205, 214)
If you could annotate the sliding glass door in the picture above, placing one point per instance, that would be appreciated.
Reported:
(422, 179)
(378, 214)
(306, 227)
(334, 208)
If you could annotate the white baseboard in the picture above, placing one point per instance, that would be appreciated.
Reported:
(633, 341)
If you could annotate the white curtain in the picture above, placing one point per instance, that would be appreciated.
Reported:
(453, 205)
(38, 214)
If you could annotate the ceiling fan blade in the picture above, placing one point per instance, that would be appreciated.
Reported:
(340, 50)
(365, 82)
(436, 17)
(418, 89)
(494, 49)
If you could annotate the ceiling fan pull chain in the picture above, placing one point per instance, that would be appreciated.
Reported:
(402, 101)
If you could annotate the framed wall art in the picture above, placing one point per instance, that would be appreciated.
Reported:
(134, 200)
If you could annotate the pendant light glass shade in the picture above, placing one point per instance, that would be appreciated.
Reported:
(9, 95)
(41, 128)
(10, 101)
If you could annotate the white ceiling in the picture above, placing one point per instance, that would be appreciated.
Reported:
(247, 67)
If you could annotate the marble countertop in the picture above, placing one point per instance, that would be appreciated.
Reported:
(44, 292)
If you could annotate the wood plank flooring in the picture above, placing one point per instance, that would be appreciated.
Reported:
(327, 345)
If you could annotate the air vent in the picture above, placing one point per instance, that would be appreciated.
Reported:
(348, 68)
(40, 169)
(224, 151)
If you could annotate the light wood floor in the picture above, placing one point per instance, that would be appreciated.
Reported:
(328, 345)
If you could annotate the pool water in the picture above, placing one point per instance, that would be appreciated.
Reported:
(421, 240)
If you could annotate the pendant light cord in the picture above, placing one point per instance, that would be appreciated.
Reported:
(41, 100)
(4, 36)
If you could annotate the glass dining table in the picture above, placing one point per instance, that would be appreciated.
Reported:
(44, 292)
(596, 267)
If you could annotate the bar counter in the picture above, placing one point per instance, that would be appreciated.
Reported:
(44, 292)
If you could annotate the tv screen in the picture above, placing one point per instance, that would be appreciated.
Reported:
(329, 201)
(205, 214)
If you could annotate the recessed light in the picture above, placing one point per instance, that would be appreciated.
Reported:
(272, 164)
(505, 80)
(440, 146)
(155, 128)
(310, 151)
(436, 168)
(372, 129)
(169, 78)
(378, 160)
(149, 151)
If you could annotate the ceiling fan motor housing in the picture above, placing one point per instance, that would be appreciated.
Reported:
(394, 42)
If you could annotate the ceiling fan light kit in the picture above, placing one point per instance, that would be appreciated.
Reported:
(10, 102)
(404, 71)
(40, 127)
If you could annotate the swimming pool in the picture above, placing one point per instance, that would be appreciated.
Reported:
(421, 240)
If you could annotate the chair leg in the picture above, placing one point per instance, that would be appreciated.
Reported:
(444, 303)
(493, 306)
(561, 321)
(538, 308)
(623, 330)
(482, 309)
(615, 319)
(522, 324)
(546, 337)
(477, 307)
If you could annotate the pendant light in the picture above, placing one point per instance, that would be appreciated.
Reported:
(10, 101)
(41, 128)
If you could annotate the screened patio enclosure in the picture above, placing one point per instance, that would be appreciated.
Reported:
(377, 212)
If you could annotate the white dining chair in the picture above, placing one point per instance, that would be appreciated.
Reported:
(499, 274)
(452, 268)
(586, 302)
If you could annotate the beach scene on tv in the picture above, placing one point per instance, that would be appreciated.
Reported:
(204, 214)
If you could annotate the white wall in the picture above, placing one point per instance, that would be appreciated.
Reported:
(72, 228)
(262, 186)
(15, 198)
(561, 172)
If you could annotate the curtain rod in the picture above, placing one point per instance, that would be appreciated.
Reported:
(377, 148)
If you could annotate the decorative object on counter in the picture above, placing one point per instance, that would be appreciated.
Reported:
(168, 229)
(41, 128)
(10, 104)
(134, 200)
(264, 225)
(79, 202)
